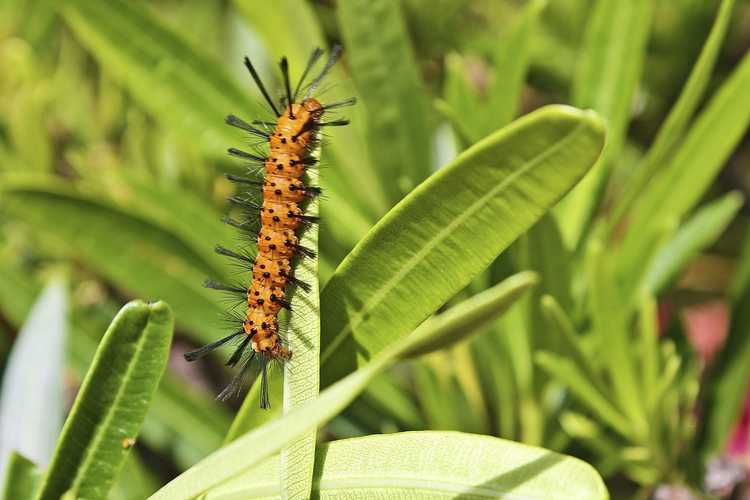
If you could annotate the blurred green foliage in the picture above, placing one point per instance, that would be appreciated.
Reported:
(112, 146)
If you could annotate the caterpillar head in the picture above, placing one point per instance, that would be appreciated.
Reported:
(313, 108)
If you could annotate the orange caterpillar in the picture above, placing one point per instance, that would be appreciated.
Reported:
(281, 217)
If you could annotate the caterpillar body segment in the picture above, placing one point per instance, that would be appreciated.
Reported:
(275, 222)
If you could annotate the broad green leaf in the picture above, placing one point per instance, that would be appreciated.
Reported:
(476, 311)
(93, 230)
(354, 170)
(680, 185)
(680, 114)
(384, 68)
(427, 465)
(606, 79)
(20, 479)
(233, 459)
(450, 228)
(697, 233)
(112, 402)
(31, 407)
(177, 82)
(726, 388)
(302, 374)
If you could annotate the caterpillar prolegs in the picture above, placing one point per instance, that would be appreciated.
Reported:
(275, 220)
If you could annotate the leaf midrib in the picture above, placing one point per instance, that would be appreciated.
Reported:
(380, 483)
(431, 244)
(104, 424)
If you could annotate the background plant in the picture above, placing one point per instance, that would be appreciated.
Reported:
(111, 151)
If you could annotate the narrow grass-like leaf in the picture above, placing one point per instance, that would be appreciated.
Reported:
(482, 308)
(571, 341)
(111, 403)
(181, 85)
(471, 116)
(648, 324)
(450, 228)
(678, 187)
(385, 71)
(31, 409)
(565, 371)
(21, 478)
(233, 459)
(302, 373)
(430, 464)
(613, 336)
(680, 114)
(511, 61)
(606, 80)
(697, 233)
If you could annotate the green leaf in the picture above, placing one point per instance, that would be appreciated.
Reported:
(450, 228)
(566, 372)
(31, 407)
(233, 459)
(93, 230)
(606, 80)
(697, 233)
(432, 465)
(610, 325)
(111, 403)
(20, 479)
(571, 341)
(678, 187)
(177, 406)
(473, 117)
(479, 310)
(302, 374)
(386, 73)
(177, 82)
(679, 116)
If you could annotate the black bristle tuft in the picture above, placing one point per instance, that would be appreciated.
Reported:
(305, 251)
(265, 402)
(260, 85)
(284, 65)
(199, 353)
(213, 285)
(234, 255)
(245, 156)
(299, 283)
(239, 123)
(237, 354)
(310, 63)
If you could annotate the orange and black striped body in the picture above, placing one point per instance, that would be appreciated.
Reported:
(281, 213)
